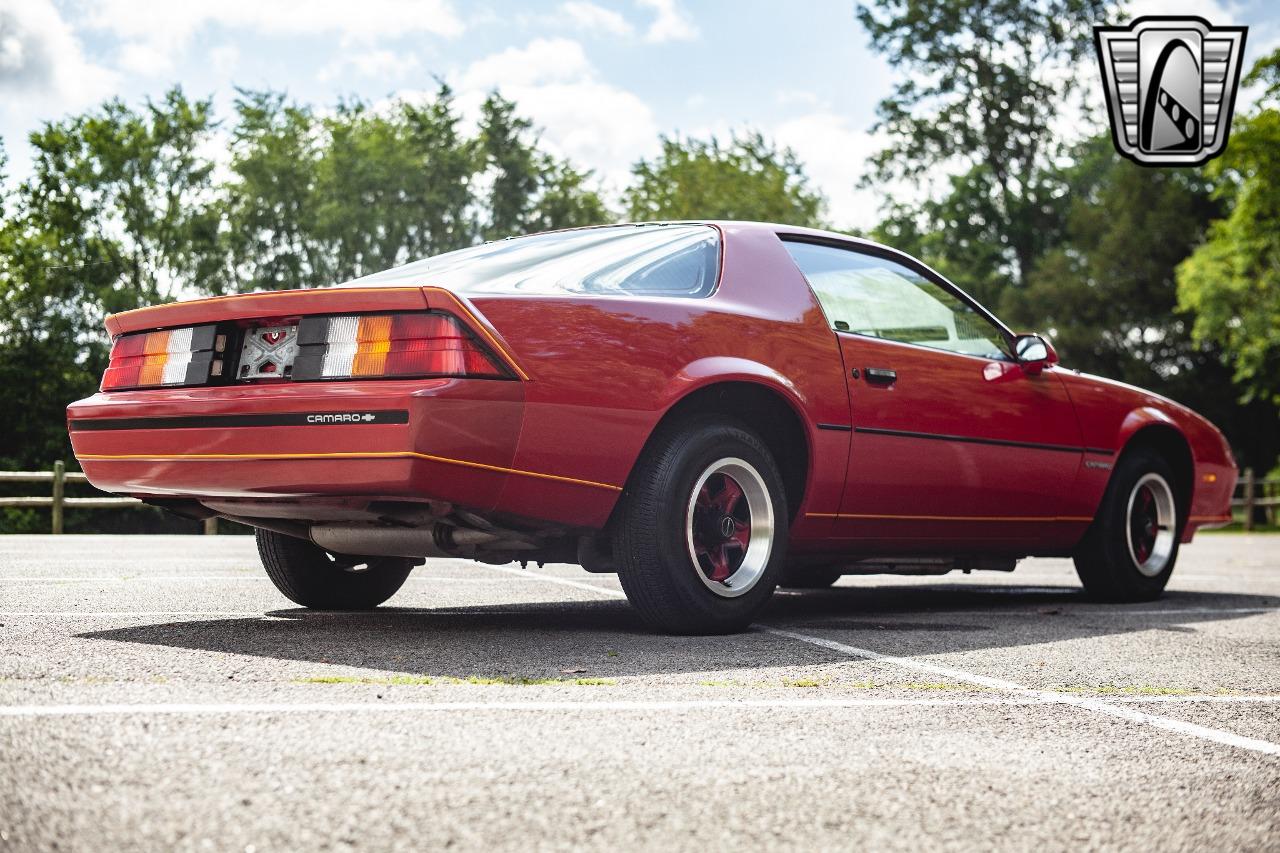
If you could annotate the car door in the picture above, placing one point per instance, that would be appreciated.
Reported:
(956, 446)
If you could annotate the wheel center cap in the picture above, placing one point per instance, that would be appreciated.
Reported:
(727, 526)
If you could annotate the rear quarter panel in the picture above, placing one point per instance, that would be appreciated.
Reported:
(603, 371)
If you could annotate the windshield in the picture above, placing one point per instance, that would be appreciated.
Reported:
(661, 260)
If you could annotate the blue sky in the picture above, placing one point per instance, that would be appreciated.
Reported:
(602, 79)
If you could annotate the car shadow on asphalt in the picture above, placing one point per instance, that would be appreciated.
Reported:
(606, 637)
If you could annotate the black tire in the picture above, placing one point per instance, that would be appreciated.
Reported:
(660, 577)
(310, 576)
(810, 577)
(1105, 559)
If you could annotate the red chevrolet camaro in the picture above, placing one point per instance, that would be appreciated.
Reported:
(707, 409)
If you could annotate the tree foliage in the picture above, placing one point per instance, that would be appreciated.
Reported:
(117, 213)
(1109, 294)
(320, 200)
(1232, 282)
(747, 178)
(983, 85)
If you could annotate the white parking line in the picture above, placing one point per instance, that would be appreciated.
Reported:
(1174, 611)
(1042, 696)
(130, 578)
(525, 573)
(1096, 705)
(196, 708)
(130, 614)
(561, 705)
(183, 578)
(298, 615)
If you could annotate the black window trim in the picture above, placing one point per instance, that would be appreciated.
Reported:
(877, 250)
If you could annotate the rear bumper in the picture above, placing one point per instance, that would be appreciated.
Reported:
(443, 439)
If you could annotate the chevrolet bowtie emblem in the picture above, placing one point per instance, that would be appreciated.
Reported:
(1171, 86)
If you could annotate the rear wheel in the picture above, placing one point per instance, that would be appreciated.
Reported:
(701, 534)
(1130, 550)
(309, 575)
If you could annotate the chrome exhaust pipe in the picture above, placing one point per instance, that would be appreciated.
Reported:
(439, 540)
(378, 541)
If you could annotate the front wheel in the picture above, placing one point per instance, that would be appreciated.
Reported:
(309, 575)
(1129, 551)
(702, 530)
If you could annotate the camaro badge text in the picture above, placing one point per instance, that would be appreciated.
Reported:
(342, 418)
(1171, 86)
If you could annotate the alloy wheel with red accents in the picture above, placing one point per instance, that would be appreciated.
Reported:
(729, 527)
(1150, 530)
(700, 536)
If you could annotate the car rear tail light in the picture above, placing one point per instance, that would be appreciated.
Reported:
(373, 345)
(187, 356)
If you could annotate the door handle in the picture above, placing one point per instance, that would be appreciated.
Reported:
(881, 375)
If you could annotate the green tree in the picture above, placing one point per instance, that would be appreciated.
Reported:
(961, 233)
(393, 186)
(984, 83)
(269, 204)
(117, 213)
(1232, 281)
(529, 189)
(565, 200)
(1108, 291)
(748, 178)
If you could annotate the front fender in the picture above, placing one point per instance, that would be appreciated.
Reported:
(1139, 419)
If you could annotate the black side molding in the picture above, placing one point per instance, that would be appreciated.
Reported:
(969, 439)
(351, 417)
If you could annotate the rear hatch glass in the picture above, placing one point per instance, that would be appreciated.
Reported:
(650, 260)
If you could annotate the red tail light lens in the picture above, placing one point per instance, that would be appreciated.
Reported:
(373, 345)
(168, 358)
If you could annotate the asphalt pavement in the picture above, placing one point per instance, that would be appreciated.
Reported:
(158, 693)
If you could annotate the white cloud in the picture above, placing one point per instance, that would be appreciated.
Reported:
(143, 57)
(595, 124)
(543, 61)
(669, 23)
(797, 97)
(371, 63)
(224, 58)
(593, 18)
(834, 154)
(41, 61)
(150, 28)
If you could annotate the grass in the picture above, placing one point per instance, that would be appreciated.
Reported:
(1136, 690)
(421, 680)
(1238, 527)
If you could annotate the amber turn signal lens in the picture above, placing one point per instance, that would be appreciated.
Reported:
(383, 345)
(157, 359)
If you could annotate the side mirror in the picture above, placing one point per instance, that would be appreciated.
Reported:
(1034, 353)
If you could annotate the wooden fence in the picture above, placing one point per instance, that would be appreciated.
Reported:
(58, 502)
(1251, 495)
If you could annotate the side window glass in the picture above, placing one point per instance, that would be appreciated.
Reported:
(872, 296)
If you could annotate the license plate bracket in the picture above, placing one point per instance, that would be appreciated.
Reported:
(268, 353)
